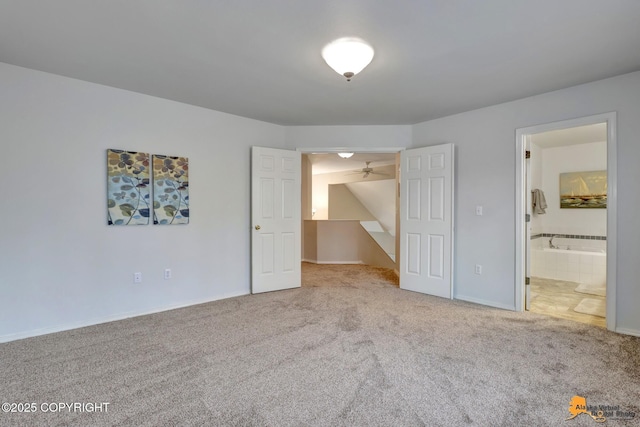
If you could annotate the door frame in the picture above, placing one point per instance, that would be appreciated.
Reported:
(521, 199)
(359, 150)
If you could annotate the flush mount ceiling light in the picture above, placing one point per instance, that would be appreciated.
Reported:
(348, 56)
(345, 155)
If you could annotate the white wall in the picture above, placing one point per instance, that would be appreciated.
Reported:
(573, 158)
(338, 242)
(379, 198)
(306, 192)
(321, 182)
(61, 266)
(485, 174)
(348, 136)
(343, 242)
(343, 204)
(310, 240)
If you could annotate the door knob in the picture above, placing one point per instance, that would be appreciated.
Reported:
(257, 227)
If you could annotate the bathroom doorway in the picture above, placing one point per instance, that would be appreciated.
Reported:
(568, 223)
(565, 248)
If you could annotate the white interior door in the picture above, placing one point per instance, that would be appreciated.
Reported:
(426, 220)
(276, 219)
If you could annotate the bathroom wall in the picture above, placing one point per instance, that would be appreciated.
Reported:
(550, 163)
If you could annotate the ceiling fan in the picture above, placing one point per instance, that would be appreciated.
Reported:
(366, 171)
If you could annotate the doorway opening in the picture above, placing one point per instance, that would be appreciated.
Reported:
(350, 207)
(425, 223)
(565, 219)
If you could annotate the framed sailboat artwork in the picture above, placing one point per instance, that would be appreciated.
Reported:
(579, 190)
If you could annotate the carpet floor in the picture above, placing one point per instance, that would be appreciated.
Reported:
(349, 348)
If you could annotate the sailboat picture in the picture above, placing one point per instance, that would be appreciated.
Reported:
(583, 190)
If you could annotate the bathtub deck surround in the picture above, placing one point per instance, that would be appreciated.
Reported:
(571, 259)
(567, 236)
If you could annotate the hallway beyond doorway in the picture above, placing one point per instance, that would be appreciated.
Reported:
(349, 275)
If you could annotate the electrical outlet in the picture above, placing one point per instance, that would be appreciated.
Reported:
(167, 273)
(478, 269)
(479, 210)
(137, 277)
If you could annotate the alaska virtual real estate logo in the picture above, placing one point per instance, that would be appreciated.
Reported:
(599, 413)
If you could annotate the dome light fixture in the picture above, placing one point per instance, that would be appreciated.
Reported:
(345, 155)
(348, 56)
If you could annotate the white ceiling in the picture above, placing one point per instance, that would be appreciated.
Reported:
(571, 136)
(261, 59)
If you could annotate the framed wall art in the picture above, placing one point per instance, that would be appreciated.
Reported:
(170, 190)
(583, 190)
(128, 195)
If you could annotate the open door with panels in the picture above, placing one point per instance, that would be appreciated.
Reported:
(426, 220)
(276, 219)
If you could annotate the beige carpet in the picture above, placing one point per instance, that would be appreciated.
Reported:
(332, 275)
(347, 349)
(592, 306)
(599, 290)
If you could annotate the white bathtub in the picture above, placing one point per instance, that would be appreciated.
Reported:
(575, 250)
(574, 260)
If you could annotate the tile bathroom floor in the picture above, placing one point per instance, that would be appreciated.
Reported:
(558, 299)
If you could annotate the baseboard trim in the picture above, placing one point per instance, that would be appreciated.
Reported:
(340, 262)
(107, 319)
(626, 331)
(315, 261)
(485, 302)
